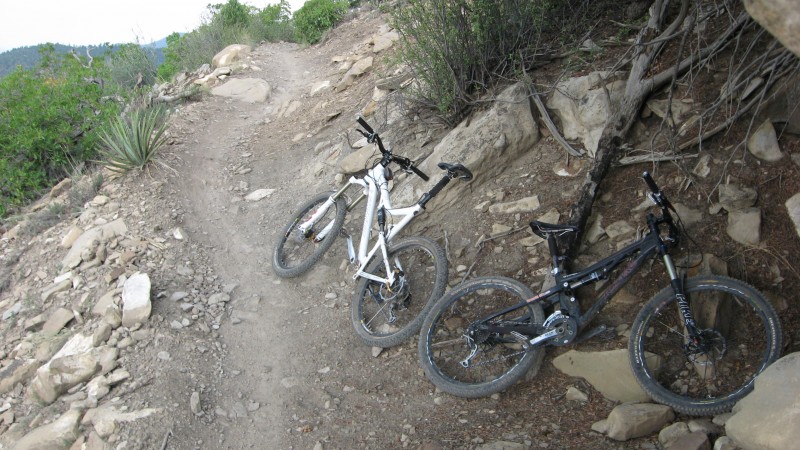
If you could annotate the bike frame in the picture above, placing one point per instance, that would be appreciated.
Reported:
(563, 291)
(376, 189)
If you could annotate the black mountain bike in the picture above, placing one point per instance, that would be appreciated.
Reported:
(696, 346)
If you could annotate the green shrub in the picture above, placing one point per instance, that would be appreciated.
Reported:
(49, 117)
(316, 17)
(231, 14)
(459, 48)
(134, 142)
(273, 23)
(132, 66)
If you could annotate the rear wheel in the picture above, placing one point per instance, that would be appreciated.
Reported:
(296, 251)
(740, 336)
(462, 360)
(385, 316)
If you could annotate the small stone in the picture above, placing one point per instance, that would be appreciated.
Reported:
(692, 441)
(376, 351)
(178, 296)
(259, 194)
(702, 169)
(763, 143)
(575, 394)
(744, 226)
(136, 304)
(194, 403)
(523, 205)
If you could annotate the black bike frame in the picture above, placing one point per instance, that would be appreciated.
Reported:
(563, 291)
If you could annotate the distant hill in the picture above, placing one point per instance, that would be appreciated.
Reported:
(161, 43)
(27, 57)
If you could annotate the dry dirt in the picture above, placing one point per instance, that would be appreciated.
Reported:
(285, 369)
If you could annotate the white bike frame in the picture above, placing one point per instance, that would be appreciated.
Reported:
(376, 188)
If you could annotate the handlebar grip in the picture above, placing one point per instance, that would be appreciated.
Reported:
(650, 182)
(365, 125)
(419, 173)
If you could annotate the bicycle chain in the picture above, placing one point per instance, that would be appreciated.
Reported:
(497, 359)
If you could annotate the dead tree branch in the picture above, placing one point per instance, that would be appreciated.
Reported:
(637, 89)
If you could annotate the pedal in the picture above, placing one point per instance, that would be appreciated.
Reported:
(588, 334)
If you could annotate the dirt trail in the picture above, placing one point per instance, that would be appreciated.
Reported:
(258, 347)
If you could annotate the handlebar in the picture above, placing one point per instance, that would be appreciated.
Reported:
(364, 124)
(651, 183)
(405, 163)
(657, 196)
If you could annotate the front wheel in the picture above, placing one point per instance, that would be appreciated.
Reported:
(739, 336)
(457, 352)
(385, 316)
(296, 251)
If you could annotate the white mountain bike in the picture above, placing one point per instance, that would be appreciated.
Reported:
(395, 289)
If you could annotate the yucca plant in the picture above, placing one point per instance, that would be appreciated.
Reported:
(132, 143)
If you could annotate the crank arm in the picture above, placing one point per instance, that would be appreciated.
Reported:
(544, 337)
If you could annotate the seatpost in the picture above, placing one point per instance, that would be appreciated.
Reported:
(551, 244)
(426, 197)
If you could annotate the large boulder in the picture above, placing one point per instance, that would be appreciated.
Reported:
(768, 417)
(487, 143)
(780, 17)
(230, 54)
(584, 104)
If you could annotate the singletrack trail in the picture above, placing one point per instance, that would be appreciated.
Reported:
(294, 373)
(261, 342)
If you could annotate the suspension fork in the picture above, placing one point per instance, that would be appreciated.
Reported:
(305, 226)
(680, 293)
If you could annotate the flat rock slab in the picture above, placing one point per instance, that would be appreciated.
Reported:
(59, 434)
(248, 90)
(57, 321)
(84, 241)
(609, 372)
(523, 205)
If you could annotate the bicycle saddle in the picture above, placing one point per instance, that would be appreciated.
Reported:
(541, 229)
(458, 170)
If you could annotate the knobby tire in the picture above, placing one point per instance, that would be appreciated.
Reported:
(742, 334)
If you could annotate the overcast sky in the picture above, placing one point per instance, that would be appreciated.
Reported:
(92, 22)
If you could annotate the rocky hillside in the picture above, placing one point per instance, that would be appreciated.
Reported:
(152, 319)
